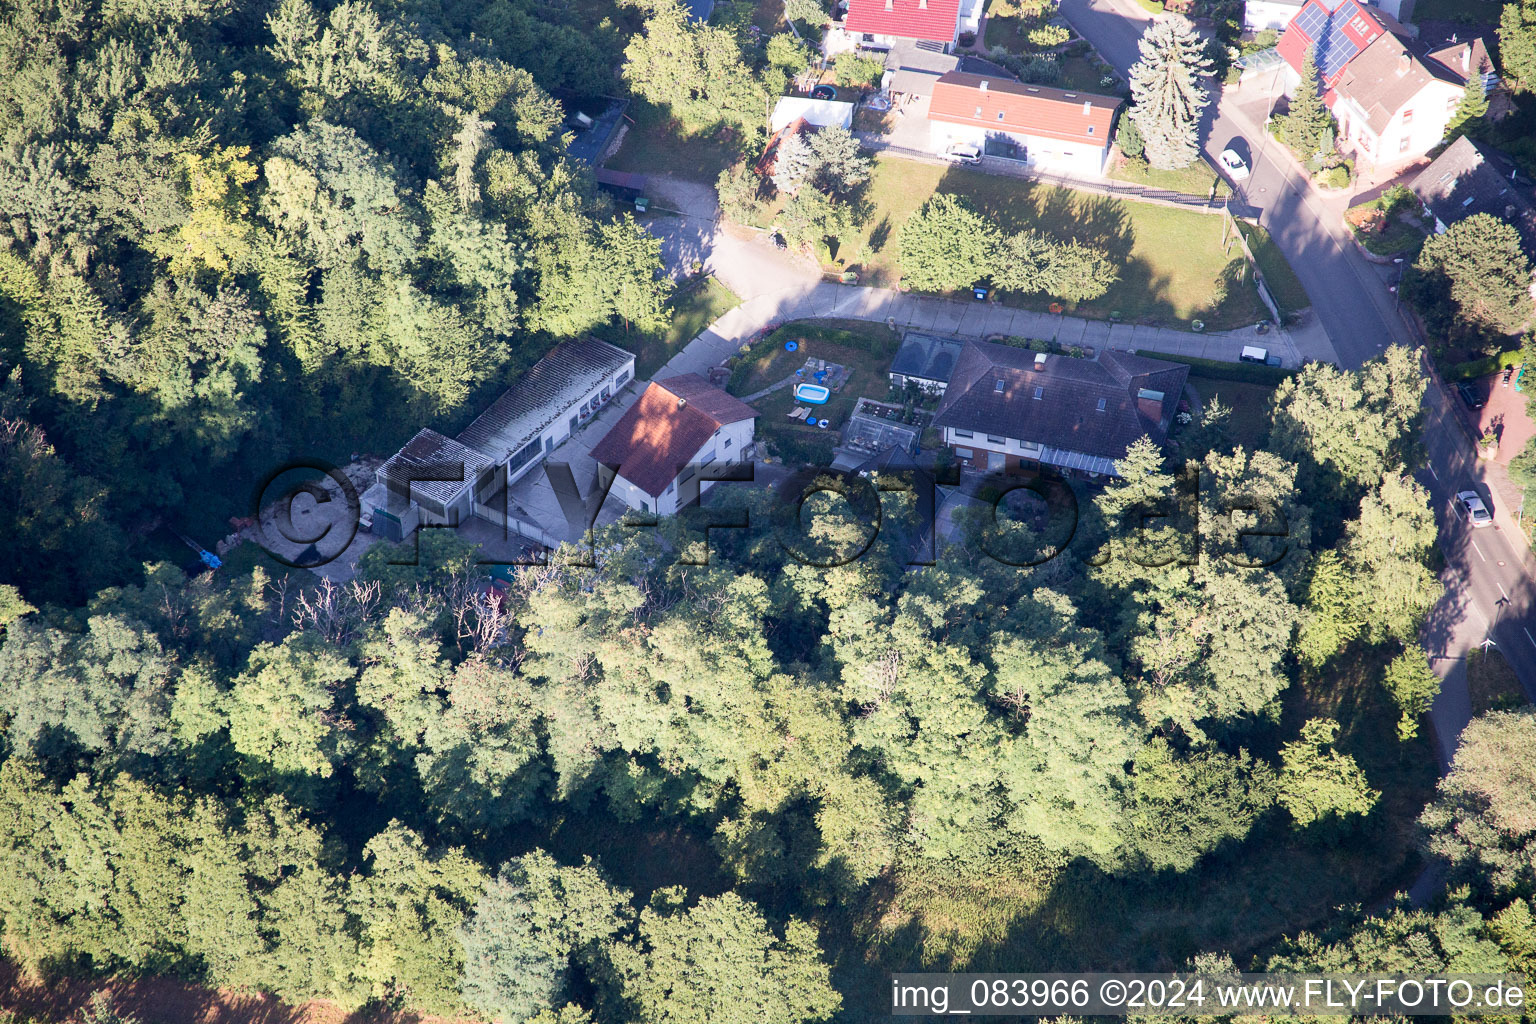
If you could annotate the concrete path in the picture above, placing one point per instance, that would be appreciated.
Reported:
(957, 318)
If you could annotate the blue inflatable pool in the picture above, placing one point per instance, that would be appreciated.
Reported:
(812, 394)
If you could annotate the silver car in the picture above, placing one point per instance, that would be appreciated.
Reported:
(1473, 510)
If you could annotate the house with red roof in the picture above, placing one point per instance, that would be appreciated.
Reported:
(880, 24)
(1392, 97)
(1050, 129)
(654, 454)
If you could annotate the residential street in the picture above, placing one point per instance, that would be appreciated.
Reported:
(1489, 578)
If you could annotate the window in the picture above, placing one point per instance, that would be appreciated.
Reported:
(607, 392)
(1402, 147)
(1102, 403)
(622, 377)
(1469, 200)
(727, 443)
(964, 433)
(978, 111)
(685, 475)
(997, 386)
(964, 453)
(525, 455)
(999, 115)
(1090, 129)
(994, 439)
(1408, 117)
(706, 460)
(670, 488)
(1039, 393)
(645, 506)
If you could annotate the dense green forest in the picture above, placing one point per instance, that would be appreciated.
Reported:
(652, 790)
(239, 231)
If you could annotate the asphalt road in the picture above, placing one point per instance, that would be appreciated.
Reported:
(1489, 574)
(1114, 27)
(1490, 578)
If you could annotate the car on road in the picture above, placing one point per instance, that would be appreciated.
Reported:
(963, 154)
(1233, 164)
(1469, 395)
(1472, 509)
(1509, 371)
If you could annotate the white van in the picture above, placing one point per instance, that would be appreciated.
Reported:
(1254, 354)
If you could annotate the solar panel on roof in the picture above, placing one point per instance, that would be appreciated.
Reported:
(1311, 21)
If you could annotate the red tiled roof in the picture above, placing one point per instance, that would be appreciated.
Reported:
(672, 420)
(1365, 27)
(931, 20)
(959, 98)
(770, 158)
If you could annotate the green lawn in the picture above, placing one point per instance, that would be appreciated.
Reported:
(1493, 684)
(1195, 180)
(695, 307)
(1466, 12)
(656, 145)
(865, 348)
(1284, 285)
(1248, 424)
(1174, 268)
(1085, 74)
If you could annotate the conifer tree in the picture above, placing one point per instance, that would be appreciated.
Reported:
(1167, 94)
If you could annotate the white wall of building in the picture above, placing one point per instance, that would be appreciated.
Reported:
(1259, 15)
(561, 428)
(728, 444)
(1412, 132)
(1040, 152)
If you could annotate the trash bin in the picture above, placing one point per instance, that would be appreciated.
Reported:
(642, 204)
(980, 294)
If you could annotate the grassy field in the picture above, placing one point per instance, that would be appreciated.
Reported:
(865, 348)
(694, 307)
(1493, 684)
(1248, 424)
(1195, 180)
(1286, 288)
(1465, 12)
(1173, 266)
(655, 145)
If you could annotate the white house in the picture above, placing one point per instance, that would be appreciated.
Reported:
(439, 480)
(654, 454)
(1050, 129)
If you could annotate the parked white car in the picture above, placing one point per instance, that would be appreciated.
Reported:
(963, 154)
(1473, 510)
(1234, 164)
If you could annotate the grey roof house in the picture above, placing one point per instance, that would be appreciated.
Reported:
(1470, 178)
(926, 359)
(546, 405)
(1009, 408)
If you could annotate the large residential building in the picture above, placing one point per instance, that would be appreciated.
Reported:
(881, 24)
(653, 455)
(1009, 408)
(1471, 178)
(1392, 98)
(439, 480)
(1049, 129)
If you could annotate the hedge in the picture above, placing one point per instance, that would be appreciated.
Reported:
(1481, 367)
(1216, 369)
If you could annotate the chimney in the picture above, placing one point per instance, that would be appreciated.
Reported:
(1039, 360)
(1466, 60)
(682, 402)
(983, 85)
(1087, 107)
(922, 5)
(1404, 62)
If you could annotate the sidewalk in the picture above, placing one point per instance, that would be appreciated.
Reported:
(959, 318)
